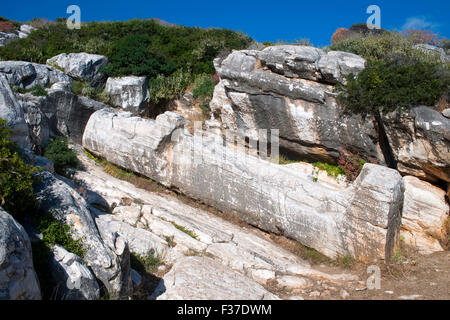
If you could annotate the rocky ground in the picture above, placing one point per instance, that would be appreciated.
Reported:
(183, 229)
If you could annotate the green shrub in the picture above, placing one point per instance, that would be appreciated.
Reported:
(38, 90)
(56, 232)
(16, 177)
(62, 156)
(203, 87)
(165, 88)
(383, 47)
(130, 55)
(138, 47)
(332, 170)
(386, 85)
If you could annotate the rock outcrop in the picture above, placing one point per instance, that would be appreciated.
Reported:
(425, 211)
(73, 279)
(420, 143)
(433, 50)
(18, 280)
(81, 66)
(12, 112)
(27, 74)
(361, 220)
(69, 207)
(60, 112)
(5, 38)
(202, 278)
(130, 93)
(290, 88)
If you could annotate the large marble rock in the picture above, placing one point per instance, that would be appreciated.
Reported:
(73, 279)
(104, 256)
(130, 93)
(420, 143)
(38, 123)
(27, 74)
(60, 112)
(81, 66)
(5, 38)
(310, 63)
(290, 88)
(433, 51)
(12, 112)
(147, 220)
(27, 29)
(361, 220)
(425, 211)
(202, 278)
(18, 280)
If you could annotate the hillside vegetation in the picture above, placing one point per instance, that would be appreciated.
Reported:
(397, 75)
(136, 47)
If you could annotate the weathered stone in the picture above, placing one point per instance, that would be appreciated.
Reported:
(130, 93)
(136, 278)
(289, 97)
(202, 278)
(38, 124)
(27, 29)
(140, 241)
(81, 66)
(446, 113)
(27, 74)
(432, 50)
(18, 280)
(239, 248)
(67, 113)
(420, 143)
(311, 63)
(69, 207)
(73, 279)
(361, 220)
(425, 211)
(5, 38)
(12, 112)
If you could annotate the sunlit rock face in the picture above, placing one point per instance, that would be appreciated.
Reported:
(361, 220)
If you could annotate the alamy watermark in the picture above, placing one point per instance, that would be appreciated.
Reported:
(374, 21)
(73, 21)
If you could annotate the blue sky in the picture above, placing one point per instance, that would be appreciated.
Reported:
(262, 20)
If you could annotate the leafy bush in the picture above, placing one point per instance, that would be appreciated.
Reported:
(384, 86)
(56, 232)
(38, 90)
(137, 47)
(383, 47)
(165, 88)
(62, 156)
(130, 55)
(16, 177)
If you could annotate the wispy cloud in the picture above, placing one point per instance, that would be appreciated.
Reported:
(419, 23)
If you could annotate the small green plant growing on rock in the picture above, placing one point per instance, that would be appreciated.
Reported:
(332, 170)
(145, 263)
(38, 91)
(56, 232)
(62, 156)
(185, 230)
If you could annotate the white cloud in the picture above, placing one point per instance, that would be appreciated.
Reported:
(419, 23)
